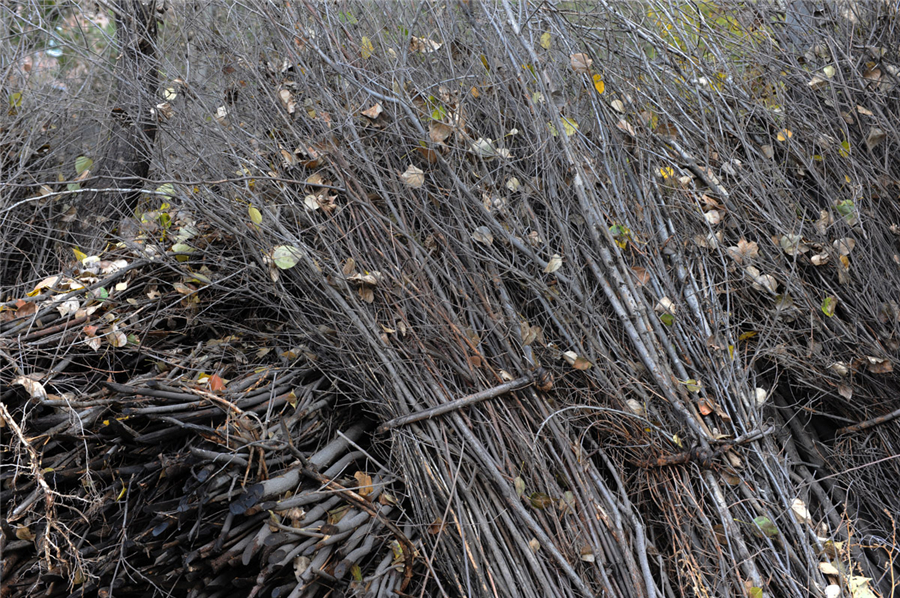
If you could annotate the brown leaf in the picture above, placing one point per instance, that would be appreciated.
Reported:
(438, 132)
(373, 112)
(874, 137)
(879, 366)
(308, 157)
(216, 383)
(581, 63)
(365, 483)
(643, 277)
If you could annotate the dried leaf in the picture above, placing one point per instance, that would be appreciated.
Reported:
(216, 383)
(745, 250)
(34, 388)
(762, 282)
(484, 148)
(581, 63)
(438, 132)
(413, 177)
(423, 45)
(625, 127)
(844, 246)
(553, 265)
(539, 500)
(373, 111)
(828, 569)
(364, 482)
(879, 366)
(665, 305)
(801, 512)
(713, 217)
(483, 235)
(874, 137)
(636, 406)
(287, 100)
(643, 277)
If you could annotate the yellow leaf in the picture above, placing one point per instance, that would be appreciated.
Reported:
(667, 172)
(366, 48)
(79, 255)
(255, 215)
(692, 385)
(545, 40)
(598, 83)
(784, 135)
(570, 126)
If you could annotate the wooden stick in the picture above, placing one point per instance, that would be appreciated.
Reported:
(869, 423)
(477, 397)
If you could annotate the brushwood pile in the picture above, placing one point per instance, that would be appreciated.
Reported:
(450, 299)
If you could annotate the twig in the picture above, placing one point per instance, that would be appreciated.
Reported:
(869, 423)
(477, 397)
(33, 459)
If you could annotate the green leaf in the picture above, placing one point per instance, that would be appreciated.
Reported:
(286, 256)
(83, 163)
(846, 208)
(829, 305)
(667, 319)
(15, 100)
(755, 592)
(255, 215)
(766, 526)
(520, 486)
(182, 248)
